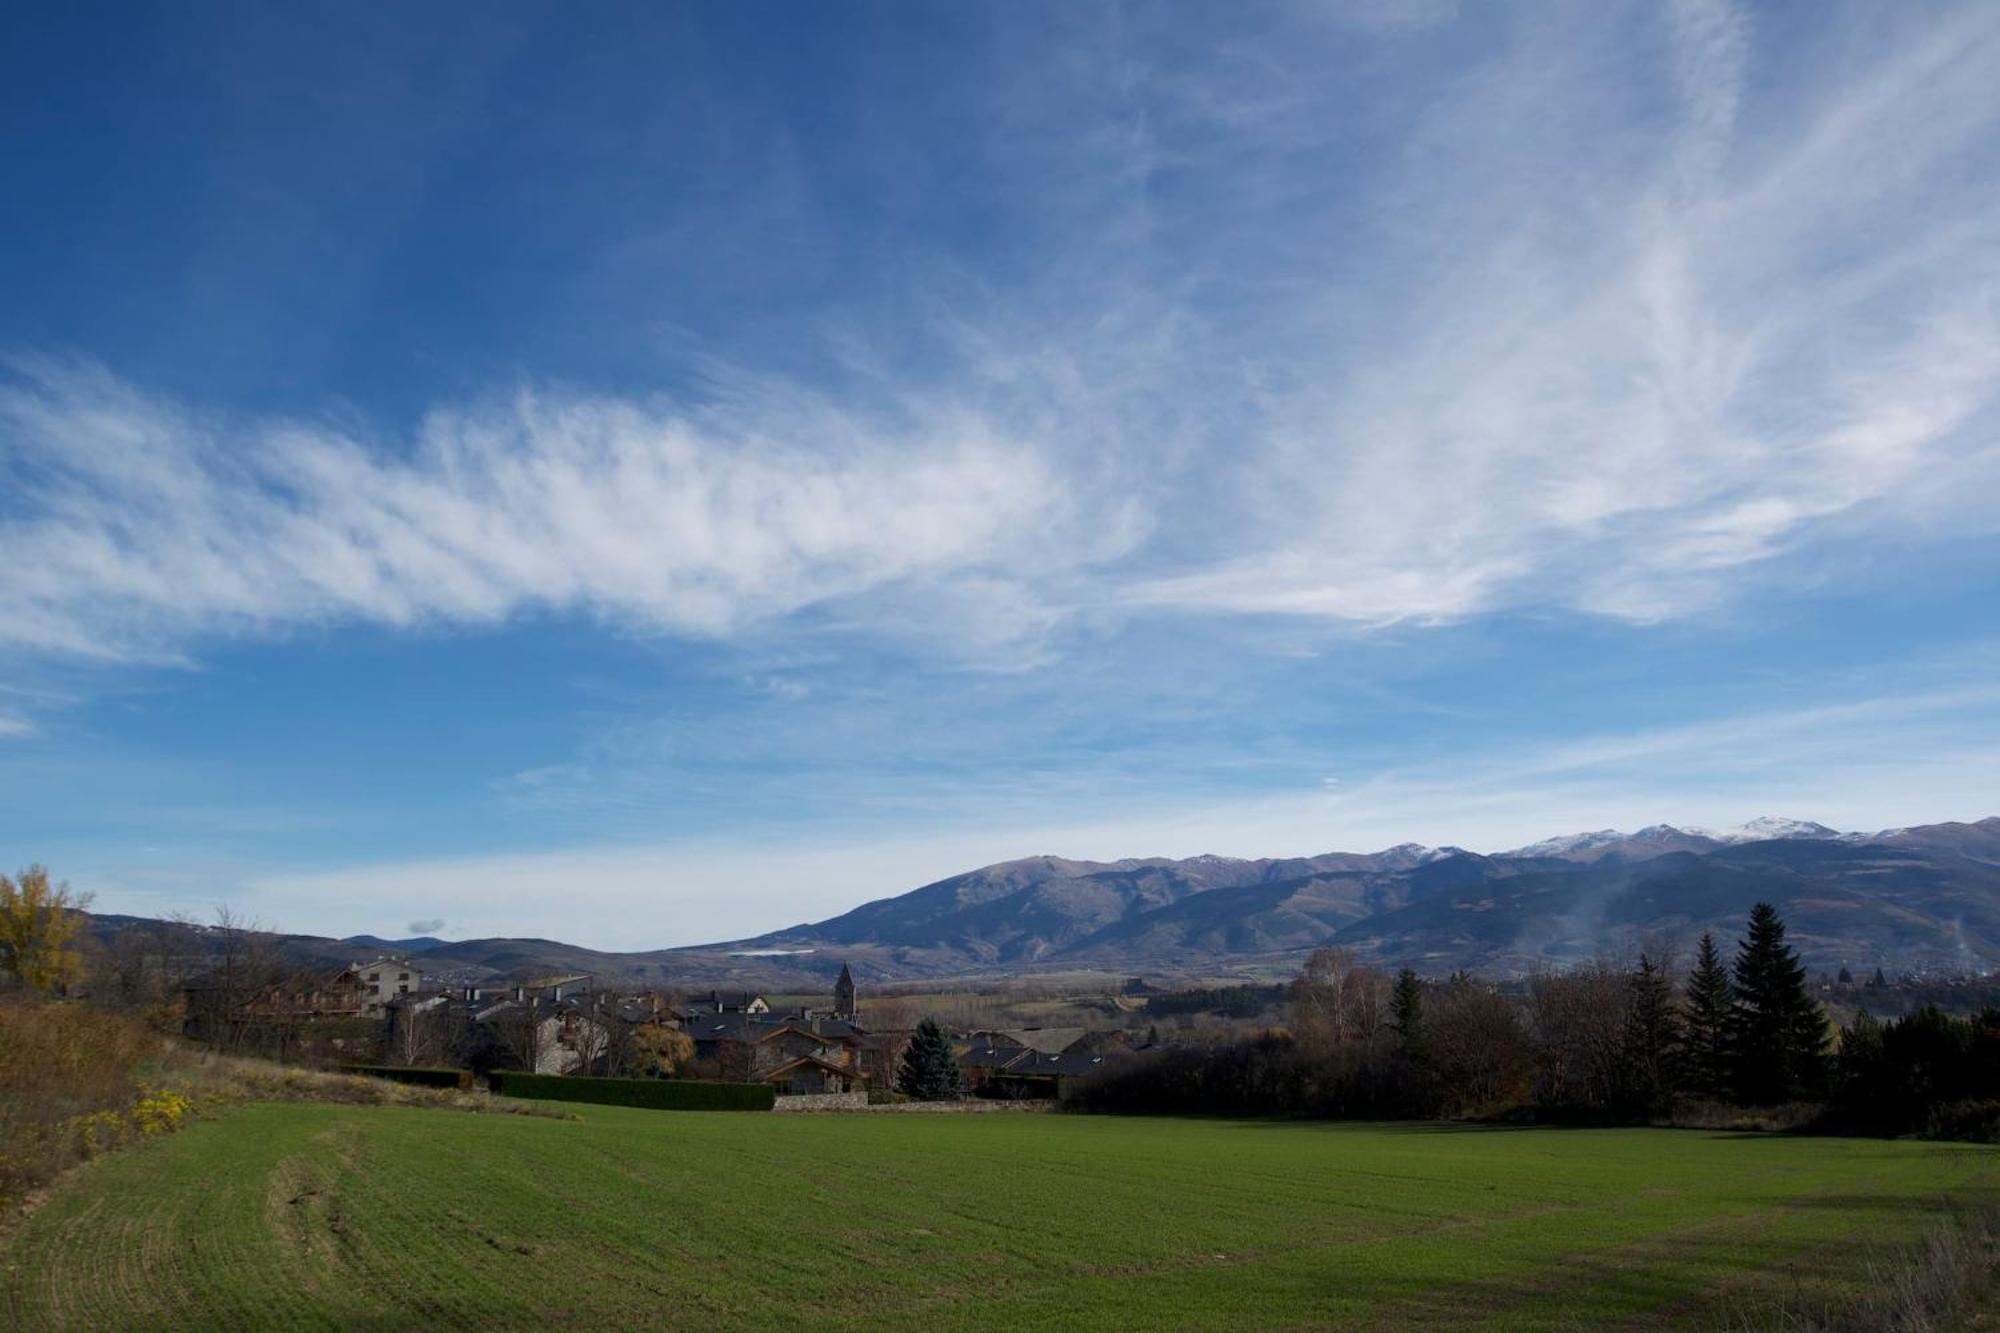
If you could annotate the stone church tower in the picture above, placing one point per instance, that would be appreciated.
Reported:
(843, 995)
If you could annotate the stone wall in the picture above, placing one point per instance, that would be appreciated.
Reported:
(823, 1101)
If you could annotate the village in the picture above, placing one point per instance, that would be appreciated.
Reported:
(384, 1012)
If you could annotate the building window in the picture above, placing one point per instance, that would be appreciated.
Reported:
(374, 976)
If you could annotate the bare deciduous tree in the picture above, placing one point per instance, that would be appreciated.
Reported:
(1478, 1046)
(417, 1034)
(1578, 1022)
(1338, 1001)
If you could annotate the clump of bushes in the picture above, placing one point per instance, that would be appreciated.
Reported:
(1974, 1121)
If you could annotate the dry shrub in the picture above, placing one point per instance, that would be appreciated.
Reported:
(1976, 1121)
(220, 1080)
(1915, 1288)
(1745, 1119)
(72, 1082)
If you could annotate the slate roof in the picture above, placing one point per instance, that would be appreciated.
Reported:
(993, 1057)
(1068, 1064)
(995, 1038)
(1049, 1041)
(758, 1027)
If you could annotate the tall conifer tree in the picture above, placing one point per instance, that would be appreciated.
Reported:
(929, 1071)
(1777, 1033)
(1407, 1007)
(1705, 1068)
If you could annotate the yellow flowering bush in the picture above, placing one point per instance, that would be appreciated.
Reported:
(99, 1131)
(161, 1111)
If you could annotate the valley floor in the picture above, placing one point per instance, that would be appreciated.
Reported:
(322, 1216)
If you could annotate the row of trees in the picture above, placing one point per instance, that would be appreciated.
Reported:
(1926, 1071)
(1597, 1040)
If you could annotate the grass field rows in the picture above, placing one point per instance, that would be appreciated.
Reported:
(317, 1216)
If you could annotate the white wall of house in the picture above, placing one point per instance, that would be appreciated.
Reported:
(383, 980)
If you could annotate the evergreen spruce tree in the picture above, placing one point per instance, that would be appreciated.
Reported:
(1418, 1095)
(1651, 1041)
(1407, 1007)
(1860, 1069)
(1777, 1034)
(1705, 1069)
(929, 1071)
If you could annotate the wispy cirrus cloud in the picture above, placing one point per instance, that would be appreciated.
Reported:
(1609, 314)
(1651, 326)
(139, 525)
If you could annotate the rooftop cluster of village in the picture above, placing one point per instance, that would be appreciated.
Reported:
(386, 1010)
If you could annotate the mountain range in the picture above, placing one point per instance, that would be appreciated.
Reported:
(1910, 899)
(1920, 899)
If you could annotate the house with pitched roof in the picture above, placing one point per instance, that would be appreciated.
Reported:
(383, 980)
(802, 1054)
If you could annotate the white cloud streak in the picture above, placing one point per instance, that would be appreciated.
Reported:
(146, 525)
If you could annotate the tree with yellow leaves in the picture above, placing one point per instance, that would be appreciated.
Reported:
(657, 1052)
(39, 923)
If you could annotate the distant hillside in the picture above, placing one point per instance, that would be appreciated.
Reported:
(1924, 899)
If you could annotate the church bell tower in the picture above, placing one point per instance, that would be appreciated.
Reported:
(843, 995)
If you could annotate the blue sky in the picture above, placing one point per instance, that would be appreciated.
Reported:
(659, 476)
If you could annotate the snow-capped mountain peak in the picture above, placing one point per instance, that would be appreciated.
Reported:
(1571, 843)
(1772, 828)
(1661, 839)
(1406, 854)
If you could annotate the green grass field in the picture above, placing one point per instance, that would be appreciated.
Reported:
(318, 1216)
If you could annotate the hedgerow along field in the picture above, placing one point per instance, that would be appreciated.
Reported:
(319, 1216)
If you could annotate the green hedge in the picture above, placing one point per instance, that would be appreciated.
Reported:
(423, 1078)
(652, 1093)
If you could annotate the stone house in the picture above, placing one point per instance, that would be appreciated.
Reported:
(806, 1054)
(383, 980)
